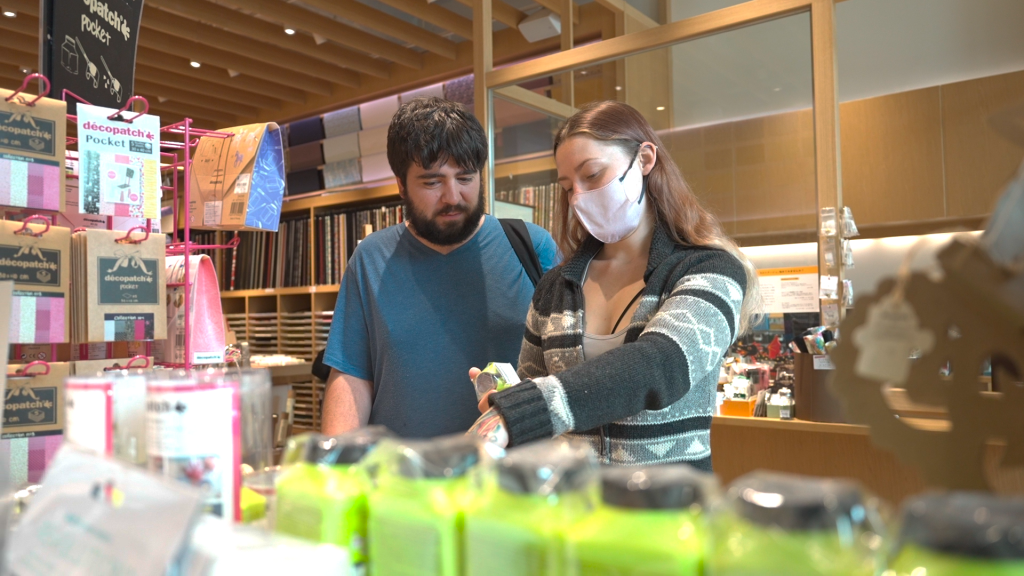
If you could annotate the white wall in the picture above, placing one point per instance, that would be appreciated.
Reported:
(884, 47)
(874, 260)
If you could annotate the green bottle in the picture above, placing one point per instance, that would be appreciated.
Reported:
(323, 497)
(961, 533)
(417, 510)
(650, 523)
(794, 525)
(530, 498)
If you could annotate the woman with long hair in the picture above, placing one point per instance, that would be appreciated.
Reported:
(624, 339)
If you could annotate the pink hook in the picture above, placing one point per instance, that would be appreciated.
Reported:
(23, 372)
(128, 105)
(24, 225)
(24, 85)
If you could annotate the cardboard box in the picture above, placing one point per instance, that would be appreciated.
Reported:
(238, 183)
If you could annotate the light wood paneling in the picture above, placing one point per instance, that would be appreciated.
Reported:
(979, 162)
(742, 445)
(892, 157)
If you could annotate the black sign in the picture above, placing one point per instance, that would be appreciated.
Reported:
(128, 280)
(29, 264)
(89, 49)
(30, 406)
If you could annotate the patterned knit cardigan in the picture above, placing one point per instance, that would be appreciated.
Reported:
(649, 401)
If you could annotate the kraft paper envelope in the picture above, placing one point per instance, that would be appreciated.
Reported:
(238, 183)
(32, 140)
(41, 274)
(34, 402)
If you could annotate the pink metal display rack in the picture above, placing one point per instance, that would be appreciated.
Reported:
(177, 152)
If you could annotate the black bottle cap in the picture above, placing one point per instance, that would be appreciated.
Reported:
(446, 457)
(347, 448)
(792, 502)
(667, 487)
(544, 468)
(966, 524)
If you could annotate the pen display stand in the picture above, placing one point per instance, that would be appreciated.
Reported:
(975, 315)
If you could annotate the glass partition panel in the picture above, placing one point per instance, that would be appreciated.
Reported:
(918, 83)
(733, 110)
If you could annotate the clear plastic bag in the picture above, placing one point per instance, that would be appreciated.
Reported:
(960, 533)
(528, 500)
(772, 523)
(651, 521)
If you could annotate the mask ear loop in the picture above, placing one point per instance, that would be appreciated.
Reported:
(643, 187)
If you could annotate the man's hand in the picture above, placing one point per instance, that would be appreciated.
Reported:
(491, 427)
(347, 403)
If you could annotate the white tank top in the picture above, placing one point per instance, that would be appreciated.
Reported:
(595, 345)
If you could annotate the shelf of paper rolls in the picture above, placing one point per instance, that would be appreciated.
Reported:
(291, 291)
(387, 190)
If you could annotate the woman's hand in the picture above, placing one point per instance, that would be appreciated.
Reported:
(491, 427)
(484, 405)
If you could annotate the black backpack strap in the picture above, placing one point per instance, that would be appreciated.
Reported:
(519, 237)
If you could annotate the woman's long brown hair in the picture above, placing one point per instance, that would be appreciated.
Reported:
(674, 204)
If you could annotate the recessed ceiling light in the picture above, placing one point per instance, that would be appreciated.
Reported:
(26, 70)
(776, 89)
(618, 88)
(195, 64)
(660, 108)
(10, 13)
(289, 31)
(583, 72)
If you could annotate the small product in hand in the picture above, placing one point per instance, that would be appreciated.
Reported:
(496, 376)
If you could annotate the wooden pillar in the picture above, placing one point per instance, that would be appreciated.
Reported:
(828, 173)
(568, 87)
(483, 62)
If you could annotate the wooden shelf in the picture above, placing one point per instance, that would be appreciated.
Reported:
(344, 196)
(280, 291)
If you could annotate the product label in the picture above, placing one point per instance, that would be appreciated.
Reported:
(211, 213)
(191, 437)
(27, 133)
(30, 264)
(242, 183)
(823, 362)
(204, 357)
(121, 327)
(30, 406)
(128, 279)
(88, 417)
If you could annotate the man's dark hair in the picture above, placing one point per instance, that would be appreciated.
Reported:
(432, 131)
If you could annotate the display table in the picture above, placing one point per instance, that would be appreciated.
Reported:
(740, 445)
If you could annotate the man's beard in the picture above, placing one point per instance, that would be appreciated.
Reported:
(430, 230)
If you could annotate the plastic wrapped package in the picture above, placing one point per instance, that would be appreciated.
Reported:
(776, 523)
(202, 425)
(960, 533)
(418, 507)
(651, 521)
(106, 413)
(528, 500)
(322, 495)
(219, 549)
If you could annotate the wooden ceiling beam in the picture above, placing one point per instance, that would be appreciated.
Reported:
(170, 116)
(436, 15)
(503, 12)
(302, 19)
(556, 7)
(180, 65)
(230, 60)
(197, 99)
(386, 24)
(260, 93)
(160, 77)
(178, 110)
(207, 35)
(235, 21)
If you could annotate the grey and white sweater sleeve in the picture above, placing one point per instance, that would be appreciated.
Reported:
(682, 343)
(531, 355)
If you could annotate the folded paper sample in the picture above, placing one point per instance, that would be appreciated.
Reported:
(206, 321)
(32, 140)
(238, 183)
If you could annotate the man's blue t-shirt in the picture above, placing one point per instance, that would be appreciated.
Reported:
(414, 321)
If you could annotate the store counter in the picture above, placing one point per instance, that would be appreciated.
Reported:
(740, 445)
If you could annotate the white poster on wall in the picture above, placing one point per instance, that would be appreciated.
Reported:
(789, 289)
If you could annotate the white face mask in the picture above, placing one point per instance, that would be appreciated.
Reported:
(613, 211)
